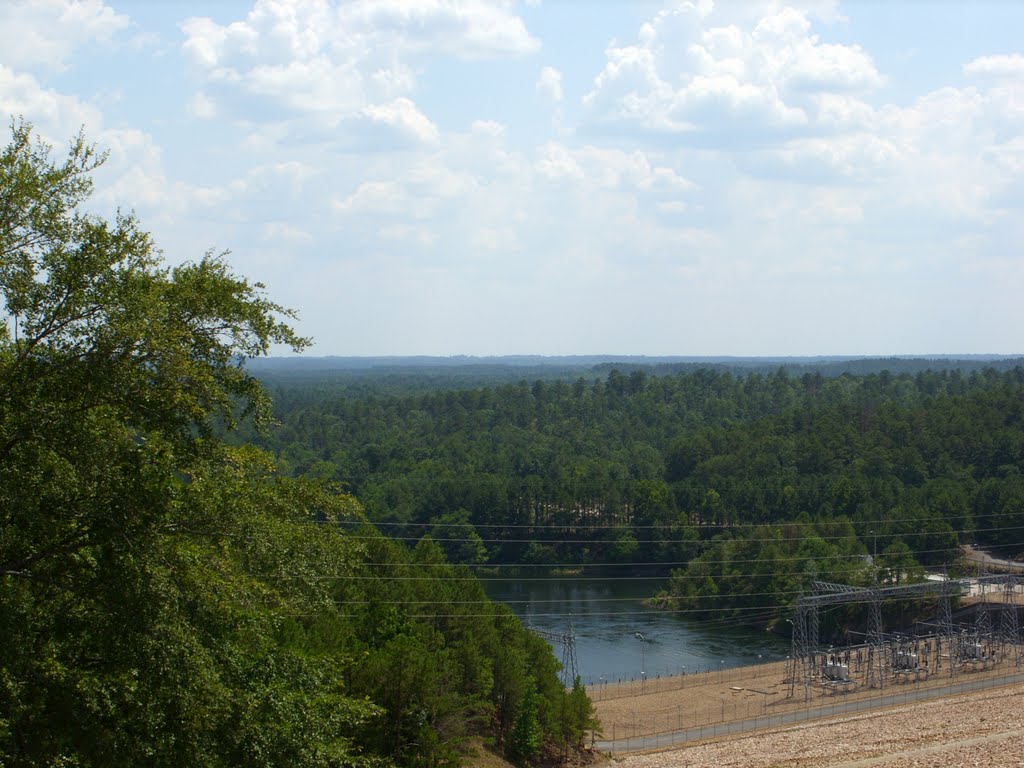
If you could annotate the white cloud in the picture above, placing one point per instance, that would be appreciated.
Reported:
(858, 157)
(419, 236)
(595, 167)
(372, 197)
(700, 72)
(1010, 156)
(707, 99)
(202, 106)
(996, 66)
(614, 168)
(403, 119)
(757, 80)
(791, 57)
(495, 240)
(549, 84)
(555, 161)
(330, 68)
(730, 158)
(630, 89)
(837, 112)
(132, 178)
(557, 213)
(467, 28)
(393, 80)
(488, 128)
(836, 207)
(43, 34)
(282, 230)
(56, 116)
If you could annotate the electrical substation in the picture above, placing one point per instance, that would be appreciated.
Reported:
(905, 643)
(985, 635)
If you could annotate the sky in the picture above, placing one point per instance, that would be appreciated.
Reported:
(559, 177)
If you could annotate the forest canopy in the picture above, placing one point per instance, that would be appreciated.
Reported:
(169, 599)
(695, 472)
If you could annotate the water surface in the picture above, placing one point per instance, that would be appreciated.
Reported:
(618, 637)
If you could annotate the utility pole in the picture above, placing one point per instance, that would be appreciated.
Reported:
(643, 664)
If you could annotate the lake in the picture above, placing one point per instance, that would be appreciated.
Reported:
(620, 638)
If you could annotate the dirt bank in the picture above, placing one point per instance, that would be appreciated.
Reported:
(980, 729)
(631, 710)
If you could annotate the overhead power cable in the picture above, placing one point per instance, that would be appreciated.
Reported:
(651, 564)
(856, 523)
(695, 612)
(864, 537)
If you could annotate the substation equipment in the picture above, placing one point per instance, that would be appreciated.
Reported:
(902, 657)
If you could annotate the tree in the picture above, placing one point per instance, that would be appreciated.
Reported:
(527, 737)
(579, 716)
(168, 599)
(137, 610)
(899, 565)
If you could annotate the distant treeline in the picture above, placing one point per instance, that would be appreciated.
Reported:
(801, 473)
(362, 376)
(831, 367)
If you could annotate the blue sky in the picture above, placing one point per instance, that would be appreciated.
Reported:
(449, 177)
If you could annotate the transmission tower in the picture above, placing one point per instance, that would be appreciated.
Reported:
(567, 641)
(946, 629)
(1008, 625)
(983, 621)
(876, 640)
(805, 643)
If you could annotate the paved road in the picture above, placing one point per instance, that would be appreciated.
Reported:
(641, 743)
(981, 557)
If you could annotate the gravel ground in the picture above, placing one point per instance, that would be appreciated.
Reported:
(978, 729)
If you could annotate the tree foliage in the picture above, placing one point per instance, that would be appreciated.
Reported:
(664, 467)
(168, 599)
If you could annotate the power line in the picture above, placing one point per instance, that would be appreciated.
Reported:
(704, 542)
(531, 601)
(575, 578)
(660, 564)
(766, 611)
(857, 523)
(542, 541)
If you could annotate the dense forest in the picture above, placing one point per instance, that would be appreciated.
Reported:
(744, 483)
(168, 599)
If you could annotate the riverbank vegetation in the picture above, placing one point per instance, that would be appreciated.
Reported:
(168, 599)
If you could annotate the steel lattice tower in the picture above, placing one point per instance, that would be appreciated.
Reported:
(805, 642)
(876, 673)
(983, 618)
(567, 640)
(946, 627)
(983, 623)
(1008, 625)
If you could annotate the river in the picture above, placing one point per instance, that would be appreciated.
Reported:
(620, 638)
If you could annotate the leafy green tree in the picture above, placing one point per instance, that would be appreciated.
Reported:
(527, 737)
(137, 612)
(579, 717)
(899, 565)
(167, 598)
(458, 537)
